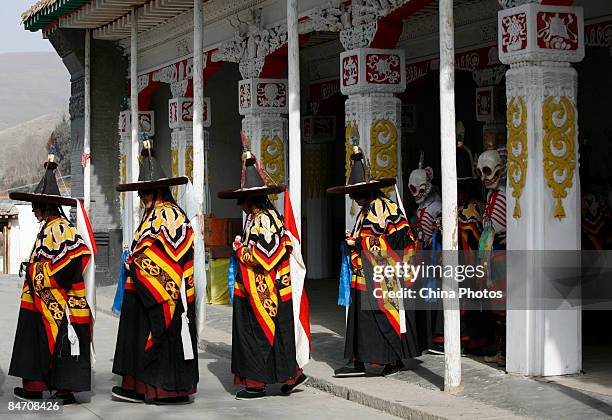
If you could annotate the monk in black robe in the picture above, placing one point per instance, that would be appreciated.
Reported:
(380, 327)
(52, 342)
(156, 353)
(263, 337)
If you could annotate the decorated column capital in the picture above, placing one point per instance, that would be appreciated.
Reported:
(533, 33)
(371, 78)
(146, 123)
(180, 113)
(262, 96)
(372, 70)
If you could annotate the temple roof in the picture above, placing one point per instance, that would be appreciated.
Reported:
(45, 12)
(110, 18)
(8, 211)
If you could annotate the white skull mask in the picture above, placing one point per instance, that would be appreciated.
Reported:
(490, 168)
(420, 183)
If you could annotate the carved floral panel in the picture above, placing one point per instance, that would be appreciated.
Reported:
(383, 69)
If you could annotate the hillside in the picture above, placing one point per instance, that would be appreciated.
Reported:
(34, 93)
(31, 85)
(24, 149)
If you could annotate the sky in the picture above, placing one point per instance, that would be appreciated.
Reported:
(13, 38)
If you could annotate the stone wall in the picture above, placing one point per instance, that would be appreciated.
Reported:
(108, 88)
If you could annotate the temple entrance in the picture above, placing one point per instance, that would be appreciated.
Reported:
(595, 148)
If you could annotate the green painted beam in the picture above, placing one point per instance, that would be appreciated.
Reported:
(49, 14)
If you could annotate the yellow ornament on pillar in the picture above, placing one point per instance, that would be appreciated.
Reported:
(273, 160)
(516, 117)
(559, 148)
(174, 162)
(189, 162)
(383, 150)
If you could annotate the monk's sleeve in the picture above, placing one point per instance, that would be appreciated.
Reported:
(267, 244)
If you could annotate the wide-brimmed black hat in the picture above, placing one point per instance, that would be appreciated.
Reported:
(151, 175)
(47, 190)
(360, 179)
(252, 184)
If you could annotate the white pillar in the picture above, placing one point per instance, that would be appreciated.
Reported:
(543, 199)
(125, 145)
(180, 121)
(125, 151)
(87, 134)
(371, 77)
(199, 263)
(452, 347)
(265, 125)
(295, 151)
(134, 151)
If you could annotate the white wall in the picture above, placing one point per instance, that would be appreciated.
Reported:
(22, 234)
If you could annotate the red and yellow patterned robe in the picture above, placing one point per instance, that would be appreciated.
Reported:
(54, 279)
(263, 345)
(383, 238)
(149, 347)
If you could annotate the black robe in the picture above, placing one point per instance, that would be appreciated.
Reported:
(263, 337)
(373, 333)
(149, 345)
(54, 279)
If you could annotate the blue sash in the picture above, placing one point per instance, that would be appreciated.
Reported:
(120, 285)
(346, 273)
(231, 275)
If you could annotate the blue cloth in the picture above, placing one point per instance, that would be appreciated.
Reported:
(231, 276)
(436, 247)
(120, 285)
(346, 273)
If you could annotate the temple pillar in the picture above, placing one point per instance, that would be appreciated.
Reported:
(146, 127)
(543, 200)
(371, 78)
(180, 120)
(263, 103)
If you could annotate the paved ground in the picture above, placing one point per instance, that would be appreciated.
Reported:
(488, 392)
(568, 397)
(214, 400)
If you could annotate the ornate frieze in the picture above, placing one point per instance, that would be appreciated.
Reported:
(357, 23)
(182, 24)
(251, 44)
(598, 34)
(489, 76)
(513, 3)
(358, 36)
